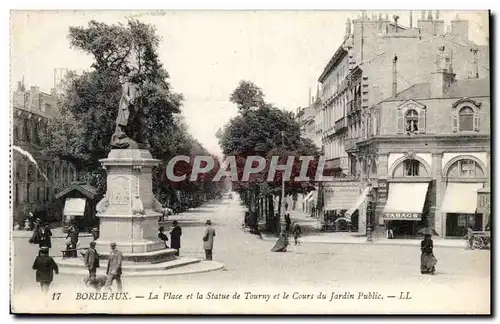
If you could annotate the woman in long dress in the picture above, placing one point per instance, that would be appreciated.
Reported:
(427, 259)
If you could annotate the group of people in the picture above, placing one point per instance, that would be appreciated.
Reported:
(176, 233)
(41, 234)
(293, 228)
(175, 237)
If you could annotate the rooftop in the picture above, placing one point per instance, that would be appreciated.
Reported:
(459, 89)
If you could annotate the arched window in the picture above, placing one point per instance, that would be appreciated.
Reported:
(49, 173)
(19, 172)
(411, 121)
(26, 130)
(466, 119)
(410, 168)
(31, 173)
(465, 115)
(36, 137)
(64, 175)
(465, 168)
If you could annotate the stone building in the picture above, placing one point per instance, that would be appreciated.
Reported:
(429, 154)
(376, 58)
(32, 110)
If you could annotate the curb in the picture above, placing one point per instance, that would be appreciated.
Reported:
(375, 242)
(175, 271)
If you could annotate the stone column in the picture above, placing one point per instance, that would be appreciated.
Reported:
(437, 173)
(381, 193)
(129, 212)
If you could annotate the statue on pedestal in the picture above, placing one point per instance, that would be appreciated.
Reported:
(128, 133)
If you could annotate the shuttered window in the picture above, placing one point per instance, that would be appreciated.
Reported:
(466, 119)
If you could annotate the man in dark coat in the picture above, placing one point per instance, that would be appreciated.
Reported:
(208, 240)
(45, 267)
(175, 237)
(44, 235)
(91, 259)
(114, 270)
(162, 236)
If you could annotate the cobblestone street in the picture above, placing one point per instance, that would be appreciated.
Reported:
(249, 264)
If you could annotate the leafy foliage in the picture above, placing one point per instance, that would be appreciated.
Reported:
(263, 130)
(88, 108)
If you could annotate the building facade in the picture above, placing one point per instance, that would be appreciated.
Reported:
(376, 58)
(34, 188)
(429, 153)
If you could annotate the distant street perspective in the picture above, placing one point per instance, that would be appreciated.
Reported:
(149, 180)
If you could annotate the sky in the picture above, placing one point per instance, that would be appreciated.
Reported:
(208, 52)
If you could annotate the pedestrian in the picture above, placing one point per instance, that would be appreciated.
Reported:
(208, 240)
(427, 259)
(44, 236)
(162, 236)
(390, 233)
(470, 237)
(35, 237)
(45, 267)
(288, 222)
(31, 221)
(286, 205)
(296, 232)
(72, 240)
(175, 237)
(114, 270)
(91, 260)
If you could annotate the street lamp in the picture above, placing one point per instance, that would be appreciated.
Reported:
(369, 219)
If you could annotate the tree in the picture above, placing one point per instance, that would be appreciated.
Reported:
(257, 131)
(88, 108)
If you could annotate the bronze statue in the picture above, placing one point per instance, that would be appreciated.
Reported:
(128, 132)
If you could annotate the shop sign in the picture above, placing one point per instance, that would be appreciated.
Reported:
(403, 216)
(483, 201)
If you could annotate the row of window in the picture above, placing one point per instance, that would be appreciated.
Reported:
(32, 175)
(466, 119)
(29, 132)
(39, 195)
(464, 168)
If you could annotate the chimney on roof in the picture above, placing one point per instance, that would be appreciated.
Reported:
(396, 18)
(426, 26)
(444, 77)
(394, 77)
(460, 28)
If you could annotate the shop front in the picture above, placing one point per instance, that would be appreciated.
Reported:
(404, 210)
(460, 207)
(307, 202)
(339, 200)
(353, 211)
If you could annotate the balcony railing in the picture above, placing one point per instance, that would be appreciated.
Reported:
(341, 124)
(350, 144)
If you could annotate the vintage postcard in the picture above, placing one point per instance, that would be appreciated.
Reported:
(250, 162)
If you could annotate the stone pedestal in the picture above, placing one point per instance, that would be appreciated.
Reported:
(126, 213)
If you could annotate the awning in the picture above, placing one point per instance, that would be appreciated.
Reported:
(341, 198)
(74, 207)
(358, 201)
(406, 200)
(309, 196)
(460, 198)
